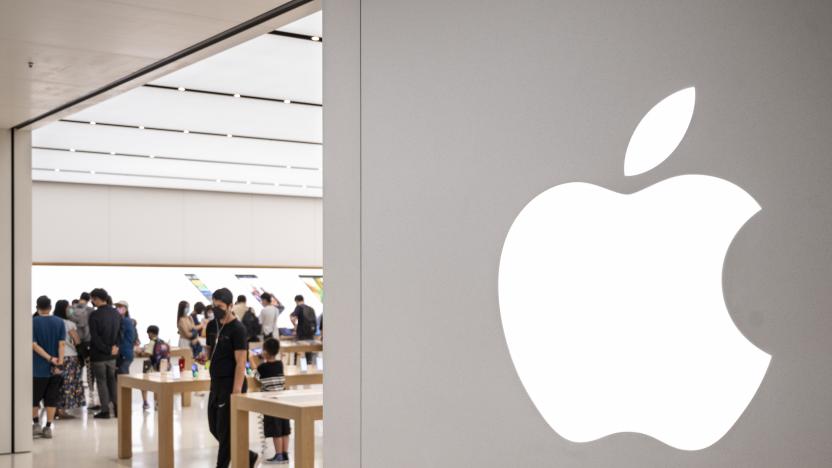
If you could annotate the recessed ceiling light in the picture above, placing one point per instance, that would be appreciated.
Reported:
(92, 172)
(276, 184)
(219, 180)
(92, 122)
(181, 89)
(248, 182)
(185, 131)
(315, 38)
(57, 170)
(112, 153)
(229, 135)
(236, 95)
(72, 150)
(141, 127)
(286, 101)
(152, 156)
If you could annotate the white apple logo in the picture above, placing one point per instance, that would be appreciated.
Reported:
(612, 303)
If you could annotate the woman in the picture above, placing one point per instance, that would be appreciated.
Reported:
(128, 339)
(188, 331)
(72, 388)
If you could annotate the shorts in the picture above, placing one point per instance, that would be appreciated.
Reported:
(47, 389)
(276, 427)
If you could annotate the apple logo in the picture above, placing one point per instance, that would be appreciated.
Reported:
(612, 304)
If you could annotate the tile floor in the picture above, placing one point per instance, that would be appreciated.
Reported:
(88, 442)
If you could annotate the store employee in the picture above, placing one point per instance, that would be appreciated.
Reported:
(228, 352)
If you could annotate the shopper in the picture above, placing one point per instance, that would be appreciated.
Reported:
(80, 315)
(105, 336)
(128, 339)
(269, 314)
(72, 386)
(253, 327)
(48, 336)
(270, 375)
(157, 352)
(305, 322)
(240, 307)
(228, 352)
(199, 309)
(188, 331)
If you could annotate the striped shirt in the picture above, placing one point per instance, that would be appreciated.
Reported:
(270, 376)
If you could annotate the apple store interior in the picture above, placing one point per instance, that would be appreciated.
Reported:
(557, 234)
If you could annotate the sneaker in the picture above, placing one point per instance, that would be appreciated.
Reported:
(37, 431)
(102, 415)
(277, 458)
(93, 408)
(146, 406)
(47, 432)
(285, 459)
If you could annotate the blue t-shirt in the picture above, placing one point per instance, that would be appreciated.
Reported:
(128, 339)
(47, 332)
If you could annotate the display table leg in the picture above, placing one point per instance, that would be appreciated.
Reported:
(304, 442)
(125, 421)
(239, 436)
(165, 429)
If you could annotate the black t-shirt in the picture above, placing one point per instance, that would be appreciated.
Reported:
(224, 340)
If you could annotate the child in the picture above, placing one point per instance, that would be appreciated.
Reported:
(157, 351)
(270, 375)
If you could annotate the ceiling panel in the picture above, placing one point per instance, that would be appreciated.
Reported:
(65, 135)
(311, 25)
(248, 144)
(176, 110)
(267, 66)
(79, 46)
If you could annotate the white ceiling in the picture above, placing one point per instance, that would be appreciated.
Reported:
(255, 143)
(76, 47)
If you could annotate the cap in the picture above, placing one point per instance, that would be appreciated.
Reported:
(123, 303)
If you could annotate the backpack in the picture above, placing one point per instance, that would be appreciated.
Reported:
(309, 325)
(161, 351)
(253, 326)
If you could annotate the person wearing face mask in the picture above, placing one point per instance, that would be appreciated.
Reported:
(227, 349)
(128, 339)
(188, 330)
(105, 335)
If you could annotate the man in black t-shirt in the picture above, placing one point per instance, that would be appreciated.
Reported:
(228, 352)
(305, 322)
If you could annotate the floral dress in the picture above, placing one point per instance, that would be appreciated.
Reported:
(72, 387)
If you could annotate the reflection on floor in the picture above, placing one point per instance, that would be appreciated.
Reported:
(88, 442)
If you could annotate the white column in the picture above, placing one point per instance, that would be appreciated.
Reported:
(15, 287)
(342, 233)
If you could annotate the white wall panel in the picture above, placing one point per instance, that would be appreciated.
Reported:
(172, 227)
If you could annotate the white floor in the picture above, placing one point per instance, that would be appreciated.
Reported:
(88, 442)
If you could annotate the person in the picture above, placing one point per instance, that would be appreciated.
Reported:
(128, 339)
(240, 307)
(270, 375)
(199, 309)
(188, 331)
(228, 350)
(72, 386)
(105, 336)
(268, 316)
(305, 322)
(157, 352)
(48, 337)
(80, 315)
(253, 326)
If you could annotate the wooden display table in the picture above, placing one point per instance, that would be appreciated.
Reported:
(188, 355)
(290, 345)
(303, 406)
(164, 387)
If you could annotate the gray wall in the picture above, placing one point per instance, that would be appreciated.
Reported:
(469, 109)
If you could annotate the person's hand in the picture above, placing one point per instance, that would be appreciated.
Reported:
(54, 361)
(235, 391)
(114, 350)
